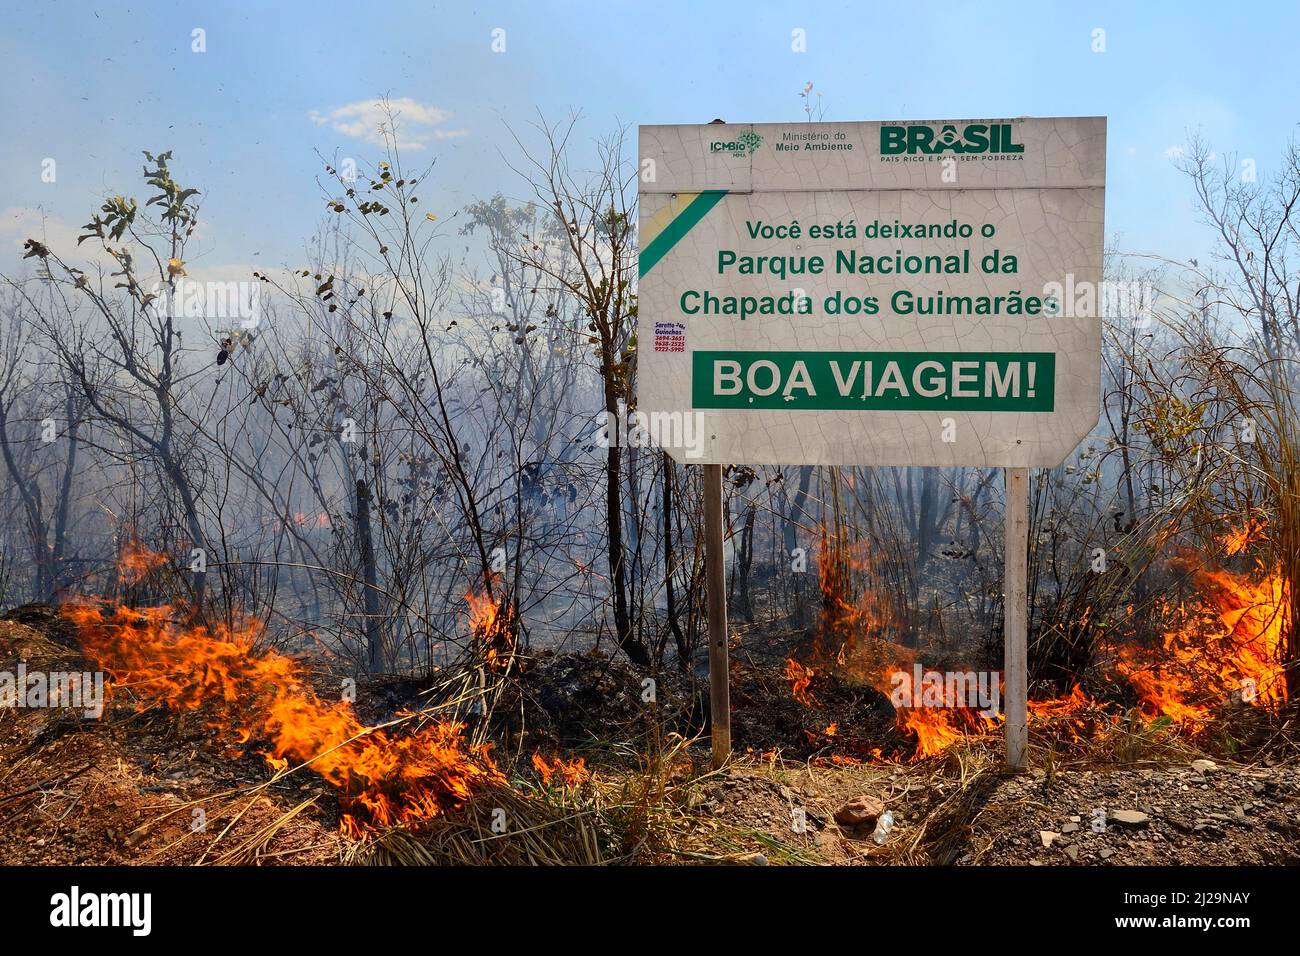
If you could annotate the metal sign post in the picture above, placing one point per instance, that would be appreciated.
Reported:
(1015, 614)
(716, 584)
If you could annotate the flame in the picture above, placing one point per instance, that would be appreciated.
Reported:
(384, 779)
(854, 619)
(1230, 645)
(1236, 540)
(853, 640)
(135, 561)
(572, 773)
(1066, 706)
(800, 677)
(935, 728)
(492, 624)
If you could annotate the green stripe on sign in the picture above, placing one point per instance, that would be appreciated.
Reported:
(672, 233)
(875, 381)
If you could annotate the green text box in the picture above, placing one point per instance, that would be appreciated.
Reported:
(894, 381)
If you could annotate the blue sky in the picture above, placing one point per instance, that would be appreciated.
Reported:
(90, 84)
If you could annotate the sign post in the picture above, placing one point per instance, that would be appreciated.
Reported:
(886, 293)
(716, 585)
(1015, 611)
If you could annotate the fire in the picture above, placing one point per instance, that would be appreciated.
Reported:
(935, 728)
(800, 677)
(853, 640)
(938, 728)
(1229, 646)
(1236, 540)
(571, 773)
(383, 778)
(1071, 703)
(136, 561)
(854, 618)
(492, 623)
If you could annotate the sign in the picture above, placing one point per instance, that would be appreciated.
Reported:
(903, 293)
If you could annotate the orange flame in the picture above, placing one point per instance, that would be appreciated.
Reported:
(854, 617)
(492, 623)
(136, 561)
(1230, 645)
(1071, 703)
(384, 779)
(853, 639)
(1236, 540)
(572, 773)
(935, 728)
(799, 677)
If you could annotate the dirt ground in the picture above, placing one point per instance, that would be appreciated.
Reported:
(1226, 816)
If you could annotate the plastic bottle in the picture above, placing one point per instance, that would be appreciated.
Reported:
(884, 824)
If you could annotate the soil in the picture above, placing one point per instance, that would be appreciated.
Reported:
(1230, 816)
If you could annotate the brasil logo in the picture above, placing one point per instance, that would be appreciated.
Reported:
(974, 138)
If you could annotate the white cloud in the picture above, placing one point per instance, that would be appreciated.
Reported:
(1175, 152)
(416, 123)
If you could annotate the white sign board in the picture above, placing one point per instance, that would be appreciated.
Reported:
(909, 293)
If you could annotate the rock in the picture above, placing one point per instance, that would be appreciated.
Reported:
(862, 809)
(1107, 853)
(1204, 766)
(753, 859)
(1129, 818)
(1072, 852)
(1070, 828)
(1048, 837)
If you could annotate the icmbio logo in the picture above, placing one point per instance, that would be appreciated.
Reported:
(746, 144)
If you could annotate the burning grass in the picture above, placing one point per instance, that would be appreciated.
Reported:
(261, 698)
(1219, 651)
(1228, 647)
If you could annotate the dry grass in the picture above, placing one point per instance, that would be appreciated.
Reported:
(654, 814)
(612, 817)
